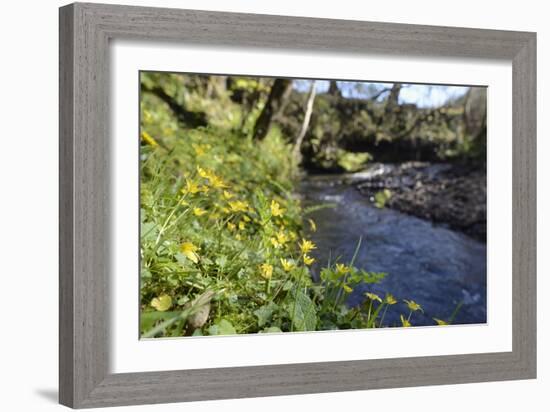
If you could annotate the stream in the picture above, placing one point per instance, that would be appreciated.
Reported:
(437, 267)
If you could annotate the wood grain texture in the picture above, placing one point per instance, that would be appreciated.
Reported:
(85, 31)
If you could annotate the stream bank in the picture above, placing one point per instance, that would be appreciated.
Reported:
(451, 195)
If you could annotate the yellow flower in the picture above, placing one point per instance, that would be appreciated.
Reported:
(276, 209)
(242, 225)
(189, 250)
(405, 322)
(190, 187)
(227, 195)
(308, 260)
(307, 246)
(216, 182)
(373, 296)
(246, 218)
(282, 237)
(440, 322)
(238, 237)
(231, 226)
(197, 211)
(162, 303)
(201, 149)
(147, 138)
(389, 299)
(238, 206)
(266, 270)
(202, 172)
(287, 265)
(342, 269)
(413, 305)
(275, 243)
(347, 288)
(184, 202)
(312, 225)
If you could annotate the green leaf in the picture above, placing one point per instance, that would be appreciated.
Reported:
(146, 274)
(372, 277)
(221, 261)
(302, 311)
(223, 327)
(264, 313)
(148, 231)
(148, 319)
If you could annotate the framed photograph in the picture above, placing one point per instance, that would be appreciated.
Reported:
(256, 205)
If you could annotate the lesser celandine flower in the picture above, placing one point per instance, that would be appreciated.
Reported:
(405, 322)
(308, 260)
(216, 182)
(373, 296)
(413, 305)
(238, 206)
(282, 237)
(242, 225)
(287, 265)
(202, 172)
(275, 243)
(440, 322)
(231, 226)
(191, 187)
(342, 269)
(307, 245)
(276, 209)
(389, 299)
(147, 138)
(189, 251)
(197, 211)
(227, 195)
(199, 149)
(266, 270)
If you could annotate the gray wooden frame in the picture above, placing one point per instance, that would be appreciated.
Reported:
(85, 31)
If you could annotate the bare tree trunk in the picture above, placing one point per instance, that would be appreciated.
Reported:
(393, 98)
(275, 100)
(333, 89)
(466, 114)
(296, 153)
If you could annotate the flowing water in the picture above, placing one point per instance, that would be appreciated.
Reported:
(430, 264)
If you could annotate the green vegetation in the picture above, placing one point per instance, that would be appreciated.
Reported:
(224, 245)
